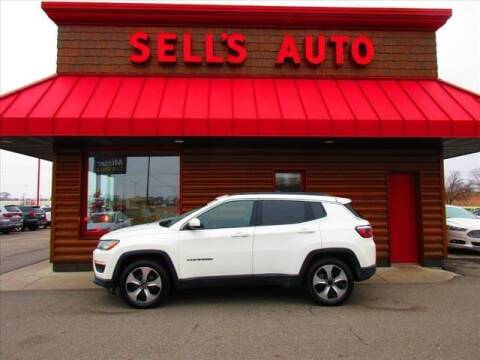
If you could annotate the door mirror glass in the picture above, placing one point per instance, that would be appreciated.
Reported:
(194, 224)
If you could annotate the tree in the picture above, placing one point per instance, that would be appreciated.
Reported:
(5, 195)
(475, 179)
(456, 188)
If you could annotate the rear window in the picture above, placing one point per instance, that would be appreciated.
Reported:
(349, 206)
(281, 212)
(47, 209)
(12, 208)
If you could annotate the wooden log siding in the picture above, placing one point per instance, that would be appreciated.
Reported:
(361, 175)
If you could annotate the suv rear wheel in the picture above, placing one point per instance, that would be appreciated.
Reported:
(144, 284)
(329, 281)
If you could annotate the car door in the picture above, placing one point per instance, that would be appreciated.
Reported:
(285, 233)
(223, 244)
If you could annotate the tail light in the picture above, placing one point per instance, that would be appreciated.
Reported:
(31, 214)
(365, 231)
(7, 215)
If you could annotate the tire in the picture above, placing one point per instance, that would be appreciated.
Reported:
(133, 284)
(334, 282)
(33, 227)
(6, 231)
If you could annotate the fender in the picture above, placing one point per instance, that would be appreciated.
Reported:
(137, 253)
(355, 265)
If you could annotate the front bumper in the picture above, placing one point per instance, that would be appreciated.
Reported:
(107, 284)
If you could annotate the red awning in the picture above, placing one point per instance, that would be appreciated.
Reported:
(200, 106)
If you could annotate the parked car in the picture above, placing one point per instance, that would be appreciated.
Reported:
(476, 212)
(10, 219)
(48, 215)
(315, 241)
(463, 229)
(109, 221)
(33, 217)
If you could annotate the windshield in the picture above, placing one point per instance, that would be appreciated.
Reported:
(173, 220)
(459, 213)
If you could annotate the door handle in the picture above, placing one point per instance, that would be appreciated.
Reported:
(240, 235)
(306, 231)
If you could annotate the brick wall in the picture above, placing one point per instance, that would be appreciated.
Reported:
(106, 49)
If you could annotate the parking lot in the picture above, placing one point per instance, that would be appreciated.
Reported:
(381, 321)
(19, 249)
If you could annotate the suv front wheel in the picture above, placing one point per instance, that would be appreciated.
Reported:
(144, 284)
(329, 281)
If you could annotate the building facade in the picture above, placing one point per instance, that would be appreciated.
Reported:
(157, 109)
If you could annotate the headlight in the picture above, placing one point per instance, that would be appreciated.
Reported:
(455, 228)
(107, 244)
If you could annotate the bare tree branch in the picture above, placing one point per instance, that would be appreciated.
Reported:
(456, 188)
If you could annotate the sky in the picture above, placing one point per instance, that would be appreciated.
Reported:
(23, 22)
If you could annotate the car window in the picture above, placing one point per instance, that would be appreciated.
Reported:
(459, 213)
(47, 209)
(318, 210)
(12, 208)
(232, 214)
(282, 212)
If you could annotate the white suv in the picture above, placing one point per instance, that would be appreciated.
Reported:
(316, 241)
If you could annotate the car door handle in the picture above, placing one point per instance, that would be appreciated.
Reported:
(306, 231)
(240, 235)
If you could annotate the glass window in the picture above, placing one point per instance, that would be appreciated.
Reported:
(318, 210)
(281, 212)
(232, 214)
(289, 181)
(459, 213)
(130, 190)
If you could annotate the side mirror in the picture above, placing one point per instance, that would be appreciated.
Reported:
(194, 224)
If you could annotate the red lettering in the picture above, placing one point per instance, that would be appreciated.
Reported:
(138, 42)
(288, 50)
(235, 43)
(166, 48)
(339, 41)
(188, 57)
(365, 43)
(309, 56)
(210, 57)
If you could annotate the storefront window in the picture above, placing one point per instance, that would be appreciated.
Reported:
(130, 190)
(289, 181)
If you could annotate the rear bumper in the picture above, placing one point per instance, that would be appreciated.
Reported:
(366, 272)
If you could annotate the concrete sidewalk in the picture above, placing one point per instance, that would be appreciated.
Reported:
(41, 277)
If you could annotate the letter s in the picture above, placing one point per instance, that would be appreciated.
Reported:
(138, 41)
(235, 43)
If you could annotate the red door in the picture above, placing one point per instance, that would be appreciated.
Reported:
(403, 218)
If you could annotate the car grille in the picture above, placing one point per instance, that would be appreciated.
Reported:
(474, 234)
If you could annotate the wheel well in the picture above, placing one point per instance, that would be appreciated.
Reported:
(158, 257)
(343, 255)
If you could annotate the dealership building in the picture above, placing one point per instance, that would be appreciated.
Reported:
(158, 109)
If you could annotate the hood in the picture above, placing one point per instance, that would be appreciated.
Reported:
(133, 229)
(466, 223)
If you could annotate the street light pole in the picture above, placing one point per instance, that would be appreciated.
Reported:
(38, 183)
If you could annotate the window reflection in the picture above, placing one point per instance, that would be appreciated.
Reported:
(130, 190)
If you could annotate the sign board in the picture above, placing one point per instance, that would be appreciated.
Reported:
(110, 165)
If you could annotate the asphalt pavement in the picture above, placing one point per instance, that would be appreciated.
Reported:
(19, 249)
(381, 321)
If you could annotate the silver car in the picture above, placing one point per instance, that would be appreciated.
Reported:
(463, 229)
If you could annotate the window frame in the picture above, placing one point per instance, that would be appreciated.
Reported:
(84, 233)
(302, 173)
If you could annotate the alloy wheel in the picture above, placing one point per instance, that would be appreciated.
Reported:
(143, 285)
(330, 282)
